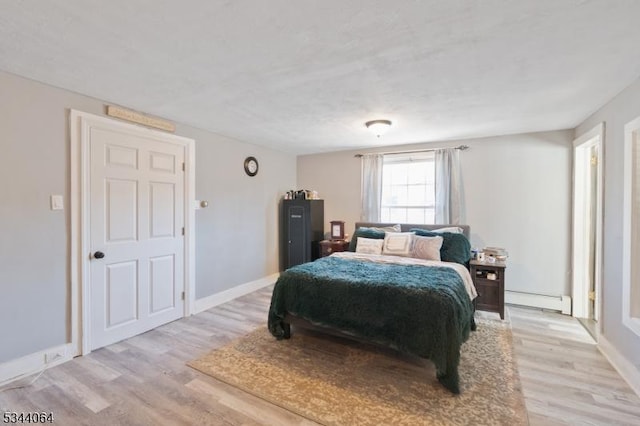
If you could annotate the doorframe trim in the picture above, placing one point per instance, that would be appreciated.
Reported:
(79, 125)
(631, 130)
(594, 137)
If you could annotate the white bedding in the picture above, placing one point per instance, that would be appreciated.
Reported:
(380, 258)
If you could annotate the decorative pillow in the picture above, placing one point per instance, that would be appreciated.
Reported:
(427, 248)
(369, 246)
(376, 233)
(398, 243)
(455, 247)
(452, 229)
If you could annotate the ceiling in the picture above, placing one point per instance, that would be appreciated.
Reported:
(303, 76)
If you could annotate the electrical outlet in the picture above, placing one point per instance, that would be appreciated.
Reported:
(53, 356)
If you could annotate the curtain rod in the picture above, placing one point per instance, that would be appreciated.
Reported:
(460, 147)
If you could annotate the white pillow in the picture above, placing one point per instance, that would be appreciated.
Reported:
(427, 248)
(398, 243)
(369, 245)
(452, 229)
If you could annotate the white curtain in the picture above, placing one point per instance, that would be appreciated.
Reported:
(448, 186)
(371, 187)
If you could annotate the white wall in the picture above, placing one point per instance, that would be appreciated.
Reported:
(517, 192)
(236, 236)
(615, 114)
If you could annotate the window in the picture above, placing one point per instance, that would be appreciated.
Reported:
(408, 188)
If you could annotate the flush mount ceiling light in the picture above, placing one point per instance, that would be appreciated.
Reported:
(378, 127)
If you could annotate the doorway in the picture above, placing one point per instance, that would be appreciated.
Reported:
(587, 228)
(132, 229)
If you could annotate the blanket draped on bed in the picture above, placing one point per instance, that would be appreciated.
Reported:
(417, 310)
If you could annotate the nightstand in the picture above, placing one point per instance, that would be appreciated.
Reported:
(489, 281)
(330, 246)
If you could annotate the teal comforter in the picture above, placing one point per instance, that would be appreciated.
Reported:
(424, 311)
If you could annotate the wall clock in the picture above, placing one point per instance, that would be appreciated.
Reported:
(251, 166)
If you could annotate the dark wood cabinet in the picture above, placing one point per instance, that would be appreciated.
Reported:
(331, 246)
(489, 281)
(302, 231)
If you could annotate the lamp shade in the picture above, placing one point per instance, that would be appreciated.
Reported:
(378, 127)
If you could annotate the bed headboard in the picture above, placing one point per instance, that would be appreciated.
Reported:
(405, 227)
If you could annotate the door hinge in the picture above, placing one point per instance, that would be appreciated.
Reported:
(594, 160)
(592, 295)
(183, 230)
(183, 167)
(183, 295)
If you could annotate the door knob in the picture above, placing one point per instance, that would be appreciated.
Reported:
(98, 255)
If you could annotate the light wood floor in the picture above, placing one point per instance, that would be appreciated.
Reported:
(565, 378)
(144, 380)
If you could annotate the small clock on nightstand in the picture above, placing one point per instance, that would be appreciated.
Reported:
(337, 230)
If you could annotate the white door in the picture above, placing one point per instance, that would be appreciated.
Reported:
(587, 225)
(136, 219)
(592, 230)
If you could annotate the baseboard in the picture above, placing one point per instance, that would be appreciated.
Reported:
(233, 293)
(555, 303)
(33, 363)
(627, 370)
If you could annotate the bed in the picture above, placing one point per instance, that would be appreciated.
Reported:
(416, 306)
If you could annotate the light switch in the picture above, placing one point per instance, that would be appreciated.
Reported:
(57, 202)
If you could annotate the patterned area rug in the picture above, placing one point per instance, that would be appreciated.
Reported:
(335, 381)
